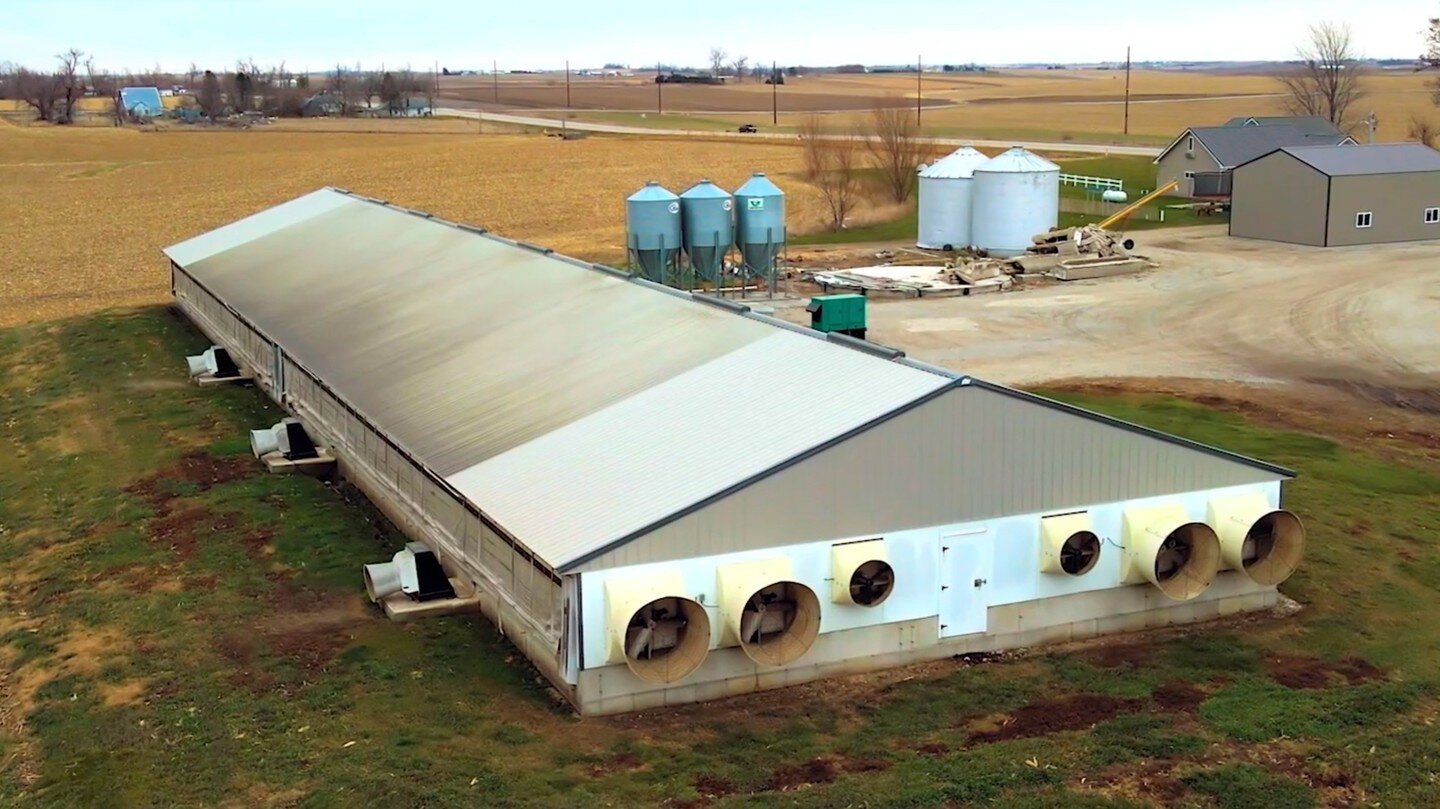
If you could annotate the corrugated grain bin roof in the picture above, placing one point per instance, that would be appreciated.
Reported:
(958, 165)
(1017, 160)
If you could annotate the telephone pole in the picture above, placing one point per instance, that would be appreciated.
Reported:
(1127, 89)
(918, 70)
(567, 84)
(774, 95)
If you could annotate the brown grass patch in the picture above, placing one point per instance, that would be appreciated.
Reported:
(115, 695)
(1075, 712)
(308, 640)
(200, 470)
(1298, 672)
(815, 771)
(1178, 697)
(713, 786)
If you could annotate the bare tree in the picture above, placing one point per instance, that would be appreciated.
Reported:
(190, 76)
(347, 87)
(739, 65)
(717, 61)
(42, 91)
(1328, 80)
(1431, 56)
(72, 88)
(812, 146)
(210, 100)
(374, 86)
(8, 71)
(390, 92)
(894, 145)
(1424, 130)
(105, 86)
(839, 187)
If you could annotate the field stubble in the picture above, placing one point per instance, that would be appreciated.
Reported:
(86, 211)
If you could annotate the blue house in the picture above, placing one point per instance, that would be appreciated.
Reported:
(141, 102)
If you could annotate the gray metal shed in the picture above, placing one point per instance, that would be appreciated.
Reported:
(1330, 196)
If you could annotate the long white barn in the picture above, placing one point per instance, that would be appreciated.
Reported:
(662, 498)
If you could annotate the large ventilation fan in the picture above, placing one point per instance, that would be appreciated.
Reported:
(1165, 548)
(287, 438)
(1068, 545)
(773, 618)
(414, 571)
(779, 623)
(1079, 553)
(871, 583)
(661, 636)
(1263, 543)
(215, 361)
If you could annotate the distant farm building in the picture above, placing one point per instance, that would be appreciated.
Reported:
(1331, 196)
(142, 102)
(1201, 159)
(404, 108)
(662, 497)
(321, 105)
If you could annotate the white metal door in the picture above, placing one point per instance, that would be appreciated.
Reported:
(965, 565)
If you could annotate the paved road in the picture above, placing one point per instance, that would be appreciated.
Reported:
(620, 129)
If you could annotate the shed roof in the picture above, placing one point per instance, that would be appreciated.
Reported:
(135, 97)
(574, 407)
(1233, 145)
(1310, 124)
(1371, 158)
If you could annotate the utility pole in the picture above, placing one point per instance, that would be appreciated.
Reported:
(1127, 89)
(774, 95)
(918, 67)
(495, 78)
(567, 84)
(659, 92)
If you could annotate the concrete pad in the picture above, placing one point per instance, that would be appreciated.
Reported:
(400, 607)
(1080, 272)
(319, 466)
(211, 381)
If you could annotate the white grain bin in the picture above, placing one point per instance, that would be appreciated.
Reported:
(1016, 195)
(945, 194)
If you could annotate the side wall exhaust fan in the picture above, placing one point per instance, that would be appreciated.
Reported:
(661, 635)
(1164, 547)
(414, 571)
(773, 618)
(1068, 545)
(1263, 543)
(215, 361)
(287, 438)
(860, 574)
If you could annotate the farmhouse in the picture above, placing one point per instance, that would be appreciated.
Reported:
(662, 497)
(1339, 195)
(141, 102)
(1201, 159)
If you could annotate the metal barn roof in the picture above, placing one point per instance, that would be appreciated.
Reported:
(1232, 145)
(575, 407)
(1372, 158)
(468, 351)
(1310, 124)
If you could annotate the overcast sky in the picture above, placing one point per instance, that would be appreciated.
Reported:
(316, 34)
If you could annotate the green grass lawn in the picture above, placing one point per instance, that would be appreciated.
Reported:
(183, 630)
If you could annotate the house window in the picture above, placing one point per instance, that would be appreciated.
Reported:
(1363, 219)
(1190, 147)
(1432, 216)
(1189, 175)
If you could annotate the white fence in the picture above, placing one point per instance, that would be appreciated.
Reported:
(1101, 183)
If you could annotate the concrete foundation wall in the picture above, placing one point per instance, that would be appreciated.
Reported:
(727, 672)
(524, 601)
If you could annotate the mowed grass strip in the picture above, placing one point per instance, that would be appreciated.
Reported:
(181, 629)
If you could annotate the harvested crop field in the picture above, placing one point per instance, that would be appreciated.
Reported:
(86, 211)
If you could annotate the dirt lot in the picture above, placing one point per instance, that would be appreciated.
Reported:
(1217, 308)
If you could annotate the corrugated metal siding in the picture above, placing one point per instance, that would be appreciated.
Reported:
(462, 347)
(614, 472)
(1279, 198)
(1397, 203)
(970, 454)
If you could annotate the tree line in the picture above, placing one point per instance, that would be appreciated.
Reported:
(273, 90)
